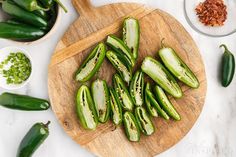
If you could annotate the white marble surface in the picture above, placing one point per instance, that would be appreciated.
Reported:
(213, 135)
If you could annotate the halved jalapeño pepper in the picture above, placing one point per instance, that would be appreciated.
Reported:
(131, 127)
(131, 35)
(120, 65)
(144, 122)
(150, 108)
(137, 88)
(119, 46)
(177, 67)
(161, 76)
(85, 109)
(92, 63)
(166, 104)
(123, 94)
(116, 110)
(101, 100)
(153, 101)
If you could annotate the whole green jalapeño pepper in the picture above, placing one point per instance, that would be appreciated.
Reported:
(161, 76)
(150, 108)
(123, 94)
(23, 102)
(177, 67)
(166, 104)
(119, 64)
(85, 109)
(131, 127)
(228, 67)
(144, 122)
(33, 139)
(30, 5)
(91, 64)
(131, 35)
(116, 110)
(137, 88)
(101, 99)
(119, 46)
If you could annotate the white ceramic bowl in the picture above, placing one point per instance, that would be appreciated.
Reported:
(4, 52)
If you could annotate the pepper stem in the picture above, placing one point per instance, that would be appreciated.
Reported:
(225, 47)
(162, 43)
(47, 124)
(63, 7)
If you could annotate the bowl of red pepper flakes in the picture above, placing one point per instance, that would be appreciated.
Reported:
(215, 18)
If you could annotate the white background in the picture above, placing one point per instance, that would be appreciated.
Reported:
(213, 135)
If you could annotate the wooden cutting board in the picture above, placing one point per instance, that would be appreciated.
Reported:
(93, 25)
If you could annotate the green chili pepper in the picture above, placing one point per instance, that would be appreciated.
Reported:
(42, 14)
(22, 15)
(23, 102)
(123, 94)
(119, 64)
(19, 32)
(166, 104)
(101, 99)
(161, 76)
(33, 139)
(116, 110)
(120, 47)
(131, 127)
(29, 5)
(91, 64)
(153, 101)
(144, 122)
(131, 35)
(85, 109)
(150, 108)
(177, 67)
(137, 88)
(17, 22)
(47, 3)
(228, 67)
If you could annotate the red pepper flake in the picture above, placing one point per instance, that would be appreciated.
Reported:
(212, 12)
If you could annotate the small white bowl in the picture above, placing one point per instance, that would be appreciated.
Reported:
(4, 52)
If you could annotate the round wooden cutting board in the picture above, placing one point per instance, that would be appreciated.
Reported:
(93, 26)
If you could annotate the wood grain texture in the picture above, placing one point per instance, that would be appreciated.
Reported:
(93, 25)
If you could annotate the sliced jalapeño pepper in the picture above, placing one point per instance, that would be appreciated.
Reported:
(85, 109)
(131, 127)
(123, 94)
(161, 76)
(137, 88)
(144, 122)
(91, 64)
(120, 65)
(166, 104)
(101, 100)
(116, 110)
(131, 35)
(150, 108)
(119, 46)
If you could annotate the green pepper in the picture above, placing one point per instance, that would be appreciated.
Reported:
(228, 67)
(177, 67)
(17, 22)
(85, 109)
(144, 122)
(119, 46)
(119, 64)
(153, 101)
(161, 76)
(101, 99)
(50, 3)
(123, 94)
(22, 15)
(23, 102)
(29, 5)
(42, 14)
(150, 108)
(33, 139)
(131, 127)
(131, 35)
(166, 104)
(91, 64)
(116, 110)
(19, 32)
(137, 88)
